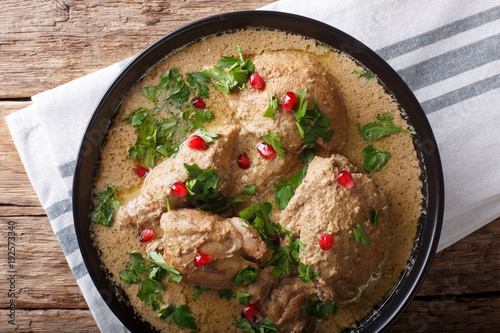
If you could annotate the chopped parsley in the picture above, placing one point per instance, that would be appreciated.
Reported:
(198, 80)
(181, 315)
(196, 118)
(360, 235)
(225, 293)
(374, 217)
(284, 189)
(237, 71)
(283, 257)
(319, 309)
(276, 142)
(129, 277)
(202, 189)
(263, 326)
(258, 216)
(108, 204)
(247, 275)
(311, 124)
(367, 75)
(207, 136)
(306, 274)
(150, 294)
(243, 298)
(197, 292)
(374, 159)
(273, 106)
(157, 259)
(249, 189)
(385, 126)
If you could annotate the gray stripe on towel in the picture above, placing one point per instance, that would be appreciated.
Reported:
(452, 63)
(67, 169)
(79, 270)
(461, 94)
(59, 208)
(446, 31)
(67, 239)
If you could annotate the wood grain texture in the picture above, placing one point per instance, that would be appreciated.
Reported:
(74, 321)
(46, 43)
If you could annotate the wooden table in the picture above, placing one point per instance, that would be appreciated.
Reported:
(49, 42)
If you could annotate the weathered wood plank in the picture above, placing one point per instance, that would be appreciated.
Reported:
(74, 321)
(46, 43)
(15, 187)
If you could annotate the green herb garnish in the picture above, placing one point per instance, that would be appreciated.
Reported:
(282, 257)
(284, 189)
(107, 205)
(306, 274)
(181, 315)
(243, 298)
(319, 309)
(360, 235)
(273, 106)
(365, 74)
(197, 292)
(197, 80)
(374, 159)
(196, 118)
(129, 277)
(150, 294)
(249, 189)
(247, 275)
(225, 293)
(384, 127)
(311, 124)
(207, 136)
(374, 217)
(276, 142)
(263, 326)
(237, 71)
(258, 216)
(157, 259)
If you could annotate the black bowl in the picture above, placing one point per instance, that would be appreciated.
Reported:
(432, 177)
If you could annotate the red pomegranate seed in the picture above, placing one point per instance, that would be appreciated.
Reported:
(344, 178)
(275, 239)
(147, 235)
(250, 311)
(179, 189)
(256, 81)
(243, 161)
(196, 142)
(266, 151)
(198, 103)
(202, 259)
(326, 242)
(141, 171)
(289, 101)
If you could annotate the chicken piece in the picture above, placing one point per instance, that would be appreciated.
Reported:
(152, 200)
(322, 206)
(188, 232)
(286, 307)
(283, 72)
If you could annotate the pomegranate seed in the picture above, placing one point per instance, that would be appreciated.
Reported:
(250, 311)
(179, 189)
(326, 242)
(256, 81)
(289, 101)
(198, 103)
(196, 142)
(266, 151)
(275, 240)
(141, 171)
(202, 259)
(344, 178)
(147, 235)
(243, 161)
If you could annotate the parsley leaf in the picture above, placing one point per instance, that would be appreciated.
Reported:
(237, 72)
(311, 124)
(181, 315)
(263, 326)
(273, 106)
(282, 256)
(284, 189)
(196, 118)
(157, 259)
(197, 80)
(319, 309)
(249, 189)
(374, 217)
(203, 190)
(276, 142)
(129, 277)
(197, 292)
(107, 205)
(149, 293)
(258, 216)
(365, 74)
(360, 235)
(243, 298)
(283, 195)
(374, 159)
(247, 275)
(384, 127)
(306, 274)
(207, 136)
(225, 293)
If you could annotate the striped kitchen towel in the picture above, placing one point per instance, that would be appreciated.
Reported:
(447, 51)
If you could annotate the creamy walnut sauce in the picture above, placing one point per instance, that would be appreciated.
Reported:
(354, 276)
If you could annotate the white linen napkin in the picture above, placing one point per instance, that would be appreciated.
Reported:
(448, 52)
